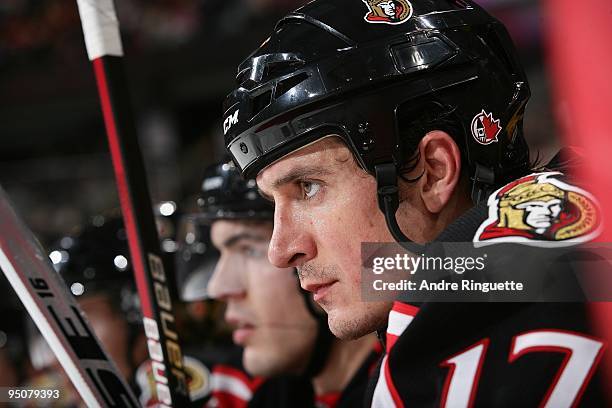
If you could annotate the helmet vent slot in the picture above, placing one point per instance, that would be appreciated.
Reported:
(261, 101)
(278, 69)
(287, 84)
(425, 54)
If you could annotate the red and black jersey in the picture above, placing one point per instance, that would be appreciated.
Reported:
(297, 392)
(497, 354)
(232, 387)
(354, 393)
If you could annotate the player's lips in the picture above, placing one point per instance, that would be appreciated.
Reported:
(241, 336)
(319, 290)
(243, 330)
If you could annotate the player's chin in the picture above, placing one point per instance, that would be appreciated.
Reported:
(347, 324)
(264, 362)
(257, 363)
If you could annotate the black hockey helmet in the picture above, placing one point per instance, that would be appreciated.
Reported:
(96, 260)
(226, 195)
(195, 260)
(369, 71)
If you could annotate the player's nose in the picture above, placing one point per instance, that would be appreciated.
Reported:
(226, 281)
(292, 244)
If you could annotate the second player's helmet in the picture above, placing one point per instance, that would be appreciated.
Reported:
(95, 261)
(226, 195)
(374, 72)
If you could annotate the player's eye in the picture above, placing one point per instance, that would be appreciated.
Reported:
(310, 188)
(252, 252)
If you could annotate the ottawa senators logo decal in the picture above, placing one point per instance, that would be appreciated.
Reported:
(198, 380)
(388, 11)
(540, 210)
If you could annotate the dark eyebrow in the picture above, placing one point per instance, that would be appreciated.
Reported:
(231, 241)
(295, 174)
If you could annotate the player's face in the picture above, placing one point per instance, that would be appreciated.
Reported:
(388, 8)
(112, 330)
(325, 207)
(264, 303)
(540, 214)
(110, 327)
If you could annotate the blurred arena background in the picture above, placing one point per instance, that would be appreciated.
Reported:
(181, 57)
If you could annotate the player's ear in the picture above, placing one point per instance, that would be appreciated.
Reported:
(441, 160)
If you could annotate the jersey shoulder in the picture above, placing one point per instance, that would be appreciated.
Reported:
(494, 354)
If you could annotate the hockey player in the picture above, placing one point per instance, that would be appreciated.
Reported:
(366, 130)
(95, 265)
(204, 333)
(282, 331)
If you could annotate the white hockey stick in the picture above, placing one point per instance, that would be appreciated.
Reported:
(57, 314)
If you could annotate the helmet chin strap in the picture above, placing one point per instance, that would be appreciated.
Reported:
(388, 202)
(482, 182)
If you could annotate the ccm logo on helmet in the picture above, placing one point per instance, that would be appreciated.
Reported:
(230, 121)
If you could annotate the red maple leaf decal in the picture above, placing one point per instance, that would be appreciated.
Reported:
(491, 126)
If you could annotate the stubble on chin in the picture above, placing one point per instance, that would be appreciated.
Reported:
(348, 319)
(359, 320)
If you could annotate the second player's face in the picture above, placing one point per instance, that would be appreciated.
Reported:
(264, 304)
(325, 207)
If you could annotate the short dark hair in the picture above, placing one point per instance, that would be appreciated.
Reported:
(417, 119)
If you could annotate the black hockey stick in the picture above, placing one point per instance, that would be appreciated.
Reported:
(104, 48)
(57, 315)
